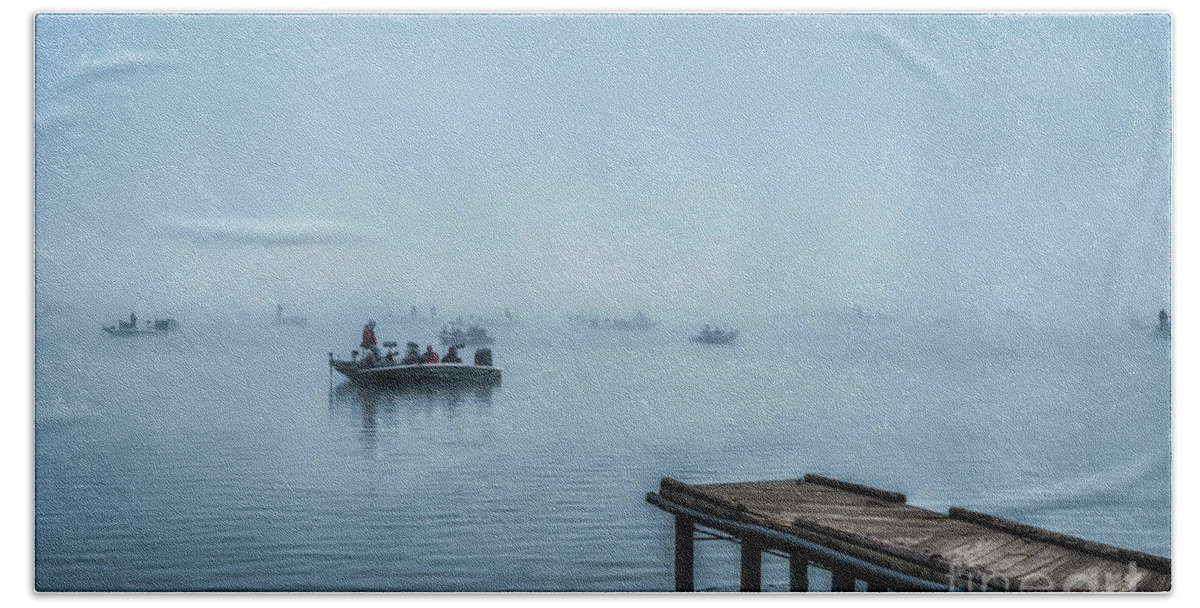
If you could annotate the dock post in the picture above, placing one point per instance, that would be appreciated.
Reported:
(798, 572)
(843, 580)
(751, 565)
(684, 559)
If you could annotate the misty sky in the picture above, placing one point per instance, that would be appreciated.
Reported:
(691, 164)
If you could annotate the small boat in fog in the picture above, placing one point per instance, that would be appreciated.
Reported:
(1161, 327)
(384, 371)
(639, 323)
(132, 328)
(711, 335)
(294, 321)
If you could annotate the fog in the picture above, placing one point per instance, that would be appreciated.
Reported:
(697, 167)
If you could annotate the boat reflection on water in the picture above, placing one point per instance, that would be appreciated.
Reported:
(378, 406)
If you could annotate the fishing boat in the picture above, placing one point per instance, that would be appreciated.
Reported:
(369, 370)
(710, 335)
(132, 328)
(639, 323)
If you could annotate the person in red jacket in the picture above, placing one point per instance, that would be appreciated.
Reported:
(429, 356)
(368, 338)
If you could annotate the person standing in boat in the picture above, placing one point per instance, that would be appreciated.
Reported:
(132, 321)
(452, 356)
(368, 338)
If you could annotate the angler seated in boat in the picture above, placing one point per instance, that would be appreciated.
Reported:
(411, 357)
(429, 356)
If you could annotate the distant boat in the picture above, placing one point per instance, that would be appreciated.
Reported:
(710, 335)
(1161, 327)
(415, 317)
(639, 323)
(133, 328)
(282, 319)
(382, 372)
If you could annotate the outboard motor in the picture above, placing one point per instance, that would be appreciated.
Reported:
(483, 356)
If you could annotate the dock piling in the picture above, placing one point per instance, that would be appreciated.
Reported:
(684, 554)
(751, 565)
(798, 572)
(843, 580)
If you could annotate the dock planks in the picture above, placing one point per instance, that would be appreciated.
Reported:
(962, 549)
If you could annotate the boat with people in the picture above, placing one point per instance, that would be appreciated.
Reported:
(715, 335)
(146, 328)
(453, 334)
(415, 369)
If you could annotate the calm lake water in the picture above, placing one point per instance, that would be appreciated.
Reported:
(222, 457)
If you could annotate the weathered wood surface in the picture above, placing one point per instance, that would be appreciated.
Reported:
(968, 549)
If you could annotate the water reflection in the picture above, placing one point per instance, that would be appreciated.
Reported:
(377, 407)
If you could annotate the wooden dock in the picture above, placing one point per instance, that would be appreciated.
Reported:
(860, 533)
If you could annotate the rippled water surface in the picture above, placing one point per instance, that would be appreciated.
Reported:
(224, 457)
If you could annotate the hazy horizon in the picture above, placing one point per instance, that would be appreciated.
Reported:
(699, 166)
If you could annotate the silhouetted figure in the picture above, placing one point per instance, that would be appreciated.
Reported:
(132, 321)
(411, 357)
(452, 356)
(429, 356)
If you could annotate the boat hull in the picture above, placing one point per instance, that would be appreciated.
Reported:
(125, 332)
(447, 374)
(714, 339)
